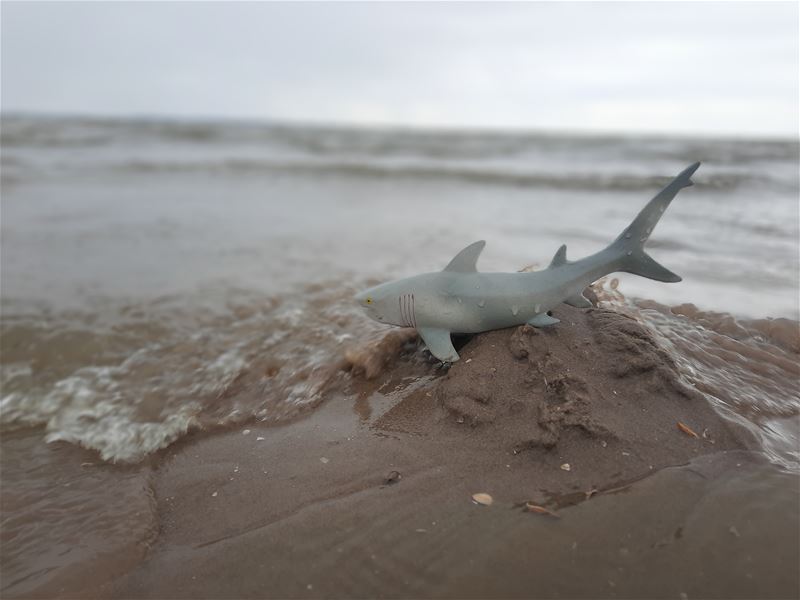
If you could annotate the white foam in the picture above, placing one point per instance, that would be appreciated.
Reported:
(89, 408)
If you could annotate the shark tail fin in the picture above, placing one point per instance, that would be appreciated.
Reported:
(630, 243)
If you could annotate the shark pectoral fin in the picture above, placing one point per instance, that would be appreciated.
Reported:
(578, 301)
(543, 320)
(438, 342)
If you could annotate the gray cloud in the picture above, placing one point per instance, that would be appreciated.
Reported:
(727, 68)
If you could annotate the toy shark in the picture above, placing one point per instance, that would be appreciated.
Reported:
(461, 300)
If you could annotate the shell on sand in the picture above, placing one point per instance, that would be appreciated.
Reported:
(483, 499)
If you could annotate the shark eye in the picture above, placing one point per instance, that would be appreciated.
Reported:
(368, 300)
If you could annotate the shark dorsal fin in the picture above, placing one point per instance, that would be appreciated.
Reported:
(560, 257)
(465, 261)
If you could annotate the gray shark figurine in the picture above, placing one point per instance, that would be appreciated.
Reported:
(461, 300)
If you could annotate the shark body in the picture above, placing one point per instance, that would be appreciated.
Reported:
(459, 299)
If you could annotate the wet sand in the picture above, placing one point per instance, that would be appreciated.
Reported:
(373, 498)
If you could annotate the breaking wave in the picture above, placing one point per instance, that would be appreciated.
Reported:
(129, 389)
(533, 159)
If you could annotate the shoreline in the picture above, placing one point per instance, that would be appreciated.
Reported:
(371, 494)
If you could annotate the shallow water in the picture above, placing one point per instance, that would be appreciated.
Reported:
(166, 277)
(68, 518)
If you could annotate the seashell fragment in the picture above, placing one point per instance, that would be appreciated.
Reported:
(566, 467)
(483, 499)
(540, 510)
(687, 430)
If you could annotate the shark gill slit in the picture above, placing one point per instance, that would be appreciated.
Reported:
(404, 309)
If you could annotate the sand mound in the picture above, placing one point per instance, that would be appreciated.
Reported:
(595, 392)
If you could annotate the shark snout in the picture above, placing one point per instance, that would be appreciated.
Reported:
(368, 303)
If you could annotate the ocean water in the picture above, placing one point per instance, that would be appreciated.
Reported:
(167, 277)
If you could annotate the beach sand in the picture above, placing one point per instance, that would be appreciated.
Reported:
(374, 498)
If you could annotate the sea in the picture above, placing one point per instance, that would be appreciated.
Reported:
(146, 264)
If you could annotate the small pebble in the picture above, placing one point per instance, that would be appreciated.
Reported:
(259, 439)
(566, 467)
(392, 477)
(214, 495)
(246, 432)
(324, 460)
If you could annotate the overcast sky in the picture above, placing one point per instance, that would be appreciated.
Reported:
(719, 68)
